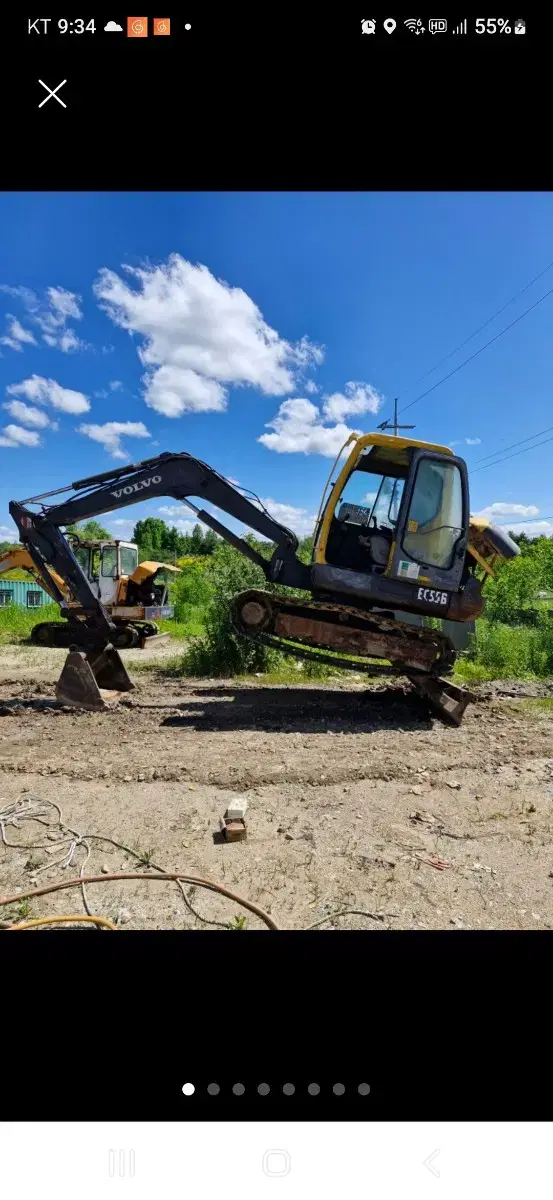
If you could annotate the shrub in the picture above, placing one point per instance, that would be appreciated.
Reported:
(513, 651)
(191, 589)
(222, 652)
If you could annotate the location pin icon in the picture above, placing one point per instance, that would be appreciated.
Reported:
(389, 25)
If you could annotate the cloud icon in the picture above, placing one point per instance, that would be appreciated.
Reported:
(113, 27)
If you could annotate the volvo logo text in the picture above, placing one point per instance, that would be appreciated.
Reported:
(135, 487)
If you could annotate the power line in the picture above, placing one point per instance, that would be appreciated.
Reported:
(514, 444)
(479, 330)
(507, 456)
(523, 521)
(477, 352)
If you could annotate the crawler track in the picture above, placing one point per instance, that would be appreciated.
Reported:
(303, 628)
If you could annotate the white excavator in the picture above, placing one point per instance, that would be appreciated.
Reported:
(133, 595)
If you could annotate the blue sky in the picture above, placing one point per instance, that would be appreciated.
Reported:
(290, 318)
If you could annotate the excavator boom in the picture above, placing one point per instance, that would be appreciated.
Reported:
(94, 662)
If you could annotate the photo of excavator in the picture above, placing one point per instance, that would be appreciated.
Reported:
(394, 537)
(132, 595)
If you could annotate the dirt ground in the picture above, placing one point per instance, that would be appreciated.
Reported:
(360, 802)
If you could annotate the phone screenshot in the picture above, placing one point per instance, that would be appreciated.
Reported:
(276, 601)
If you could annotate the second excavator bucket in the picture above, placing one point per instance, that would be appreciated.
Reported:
(93, 679)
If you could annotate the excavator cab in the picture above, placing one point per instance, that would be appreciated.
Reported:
(105, 564)
(394, 531)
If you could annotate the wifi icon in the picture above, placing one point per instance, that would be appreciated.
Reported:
(414, 24)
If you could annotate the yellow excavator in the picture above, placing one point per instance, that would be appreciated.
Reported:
(132, 595)
(394, 537)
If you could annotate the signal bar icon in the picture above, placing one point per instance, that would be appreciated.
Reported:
(462, 28)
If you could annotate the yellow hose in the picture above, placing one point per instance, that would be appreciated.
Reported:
(57, 920)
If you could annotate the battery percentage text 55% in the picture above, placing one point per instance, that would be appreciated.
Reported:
(492, 25)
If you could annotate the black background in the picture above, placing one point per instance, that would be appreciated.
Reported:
(452, 1026)
(286, 98)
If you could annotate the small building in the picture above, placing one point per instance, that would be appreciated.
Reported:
(22, 593)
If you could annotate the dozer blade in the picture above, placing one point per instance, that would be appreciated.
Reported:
(156, 639)
(448, 701)
(92, 679)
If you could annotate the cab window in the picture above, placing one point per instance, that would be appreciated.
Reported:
(370, 498)
(109, 562)
(435, 518)
(82, 555)
(129, 559)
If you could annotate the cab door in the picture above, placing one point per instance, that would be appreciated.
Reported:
(109, 576)
(433, 522)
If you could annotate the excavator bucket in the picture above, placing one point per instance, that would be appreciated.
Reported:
(446, 699)
(92, 679)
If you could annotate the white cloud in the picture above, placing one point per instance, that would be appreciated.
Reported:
(7, 534)
(171, 510)
(369, 498)
(110, 434)
(299, 428)
(311, 387)
(16, 336)
(473, 441)
(27, 415)
(47, 391)
(186, 527)
(199, 335)
(299, 520)
(124, 521)
(14, 436)
(114, 385)
(51, 315)
(500, 514)
(356, 398)
(500, 509)
(533, 529)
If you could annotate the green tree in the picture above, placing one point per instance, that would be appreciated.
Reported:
(150, 532)
(91, 531)
(211, 541)
(197, 540)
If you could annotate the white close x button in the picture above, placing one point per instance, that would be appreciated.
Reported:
(52, 93)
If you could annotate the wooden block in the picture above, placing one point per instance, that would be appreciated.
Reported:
(234, 831)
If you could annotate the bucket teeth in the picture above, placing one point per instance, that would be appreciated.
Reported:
(93, 679)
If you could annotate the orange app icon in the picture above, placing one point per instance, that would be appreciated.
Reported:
(162, 26)
(137, 27)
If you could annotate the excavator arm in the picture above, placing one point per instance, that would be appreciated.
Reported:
(177, 475)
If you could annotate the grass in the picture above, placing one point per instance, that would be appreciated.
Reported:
(510, 651)
(467, 671)
(16, 623)
(191, 622)
(544, 705)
